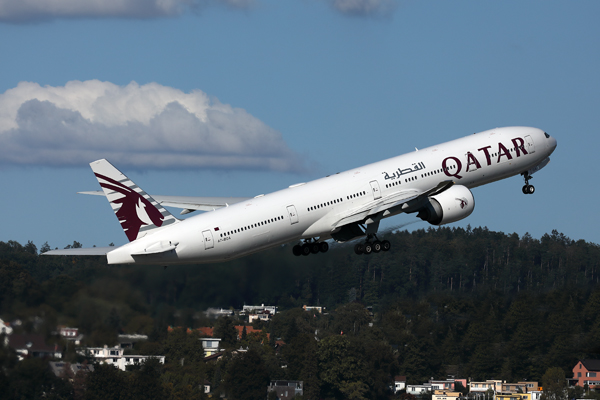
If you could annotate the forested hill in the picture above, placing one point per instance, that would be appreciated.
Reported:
(474, 302)
(420, 263)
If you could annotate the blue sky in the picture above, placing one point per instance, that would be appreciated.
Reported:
(242, 97)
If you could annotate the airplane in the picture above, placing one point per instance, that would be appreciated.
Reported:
(433, 182)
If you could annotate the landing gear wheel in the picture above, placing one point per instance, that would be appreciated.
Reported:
(376, 246)
(297, 250)
(385, 245)
(368, 248)
(323, 247)
(315, 248)
(359, 248)
(525, 190)
(305, 249)
(530, 189)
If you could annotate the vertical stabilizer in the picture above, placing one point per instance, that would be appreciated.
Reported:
(137, 212)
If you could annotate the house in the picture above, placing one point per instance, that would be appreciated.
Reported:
(63, 369)
(115, 356)
(249, 330)
(264, 315)
(399, 383)
(418, 390)
(286, 389)
(70, 334)
(445, 395)
(313, 308)
(480, 387)
(218, 312)
(519, 387)
(5, 328)
(587, 372)
(255, 309)
(211, 346)
(128, 341)
(31, 345)
(513, 396)
(447, 384)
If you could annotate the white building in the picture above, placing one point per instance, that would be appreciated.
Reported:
(115, 356)
(211, 346)
(256, 309)
(495, 385)
(399, 383)
(418, 390)
(5, 328)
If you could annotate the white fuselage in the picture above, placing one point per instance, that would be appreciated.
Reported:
(312, 209)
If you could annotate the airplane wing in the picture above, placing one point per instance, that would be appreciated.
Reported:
(189, 203)
(405, 200)
(92, 251)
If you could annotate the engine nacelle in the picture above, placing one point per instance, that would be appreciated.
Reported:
(449, 206)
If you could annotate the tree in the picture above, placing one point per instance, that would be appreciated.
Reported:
(105, 382)
(225, 330)
(144, 383)
(554, 384)
(247, 377)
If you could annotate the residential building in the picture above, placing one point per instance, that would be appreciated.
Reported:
(218, 312)
(264, 315)
(513, 396)
(447, 384)
(5, 328)
(256, 309)
(519, 387)
(286, 389)
(115, 356)
(63, 369)
(31, 345)
(313, 308)
(70, 334)
(587, 372)
(445, 395)
(399, 383)
(128, 341)
(418, 390)
(211, 346)
(476, 386)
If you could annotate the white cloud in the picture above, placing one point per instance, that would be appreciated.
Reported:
(147, 126)
(364, 8)
(36, 10)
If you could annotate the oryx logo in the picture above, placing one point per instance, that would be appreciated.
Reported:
(135, 210)
(463, 202)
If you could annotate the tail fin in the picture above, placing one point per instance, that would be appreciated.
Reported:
(137, 212)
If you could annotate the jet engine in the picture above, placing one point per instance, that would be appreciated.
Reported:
(449, 206)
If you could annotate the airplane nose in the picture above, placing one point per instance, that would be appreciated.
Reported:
(552, 143)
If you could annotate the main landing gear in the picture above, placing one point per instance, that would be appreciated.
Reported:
(372, 246)
(527, 189)
(310, 248)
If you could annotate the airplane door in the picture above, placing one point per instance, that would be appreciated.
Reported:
(530, 145)
(375, 190)
(293, 214)
(208, 240)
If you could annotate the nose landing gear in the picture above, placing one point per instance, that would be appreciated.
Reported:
(527, 189)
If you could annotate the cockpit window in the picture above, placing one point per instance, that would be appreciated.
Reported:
(547, 136)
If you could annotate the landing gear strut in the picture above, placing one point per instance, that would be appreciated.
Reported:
(527, 189)
(309, 247)
(372, 246)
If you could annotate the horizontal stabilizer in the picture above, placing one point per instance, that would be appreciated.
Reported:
(190, 203)
(156, 248)
(92, 251)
